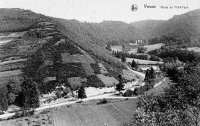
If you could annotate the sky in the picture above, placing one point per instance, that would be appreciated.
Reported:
(105, 10)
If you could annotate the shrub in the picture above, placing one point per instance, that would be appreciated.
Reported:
(154, 58)
(141, 49)
(103, 101)
(72, 70)
(94, 81)
(68, 47)
(139, 91)
(81, 93)
(3, 98)
(96, 68)
(128, 93)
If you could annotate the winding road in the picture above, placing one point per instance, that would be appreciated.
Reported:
(102, 96)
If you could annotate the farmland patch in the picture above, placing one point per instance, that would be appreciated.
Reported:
(88, 69)
(139, 61)
(10, 73)
(102, 68)
(75, 82)
(94, 81)
(108, 81)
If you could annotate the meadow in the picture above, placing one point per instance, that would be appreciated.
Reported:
(195, 49)
(139, 61)
(112, 114)
(153, 46)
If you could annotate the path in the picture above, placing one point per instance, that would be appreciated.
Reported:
(102, 96)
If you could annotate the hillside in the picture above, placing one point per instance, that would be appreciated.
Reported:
(14, 19)
(50, 53)
(185, 26)
(114, 32)
(43, 53)
(149, 26)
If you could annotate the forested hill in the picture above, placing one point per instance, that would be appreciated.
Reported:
(98, 33)
(185, 26)
(151, 27)
(15, 19)
(182, 26)
(102, 33)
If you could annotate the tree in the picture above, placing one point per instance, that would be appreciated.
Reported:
(123, 58)
(11, 98)
(141, 49)
(120, 86)
(3, 98)
(178, 105)
(81, 92)
(152, 73)
(30, 95)
(147, 75)
(134, 64)
(108, 47)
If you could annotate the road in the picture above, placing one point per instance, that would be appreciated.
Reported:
(102, 96)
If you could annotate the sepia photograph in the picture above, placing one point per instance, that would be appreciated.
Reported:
(99, 62)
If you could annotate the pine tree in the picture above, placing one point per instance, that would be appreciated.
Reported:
(152, 73)
(3, 98)
(134, 64)
(30, 95)
(108, 47)
(147, 75)
(120, 86)
(81, 92)
(123, 58)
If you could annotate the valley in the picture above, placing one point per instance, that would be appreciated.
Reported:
(57, 72)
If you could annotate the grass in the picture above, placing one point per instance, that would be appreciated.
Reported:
(36, 120)
(72, 70)
(108, 81)
(10, 73)
(88, 69)
(139, 61)
(94, 81)
(153, 46)
(68, 47)
(112, 114)
(195, 49)
(96, 68)
(116, 48)
(11, 66)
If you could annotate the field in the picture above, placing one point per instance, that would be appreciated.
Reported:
(154, 46)
(195, 49)
(143, 61)
(116, 48)
(112, 114)
(10, 73)
(37, 120)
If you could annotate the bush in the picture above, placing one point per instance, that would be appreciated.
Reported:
(154, 58)
(94, 81)
(141, 49)
(3, 98)
(96, 68)
(139, 91)
(81, 93)
(103, 101)
(128, 93)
